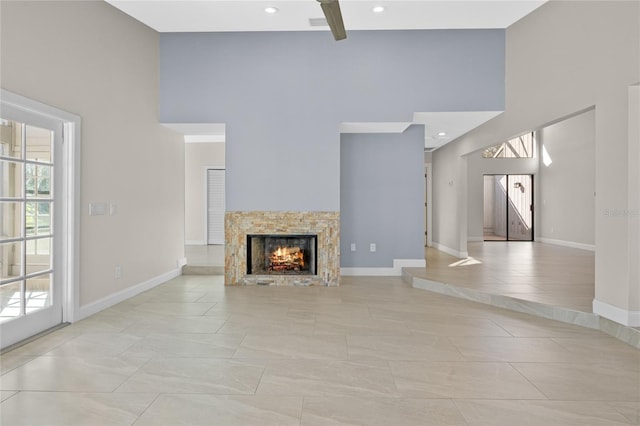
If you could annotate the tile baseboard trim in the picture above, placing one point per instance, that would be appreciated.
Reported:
(452, 252)
(626, 334)
(621, 332)
(507, 302)
(589, 247)
(615, 314)
(113, 299)
(395, 271)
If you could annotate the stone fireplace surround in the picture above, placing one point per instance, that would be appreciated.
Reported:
(239, 224)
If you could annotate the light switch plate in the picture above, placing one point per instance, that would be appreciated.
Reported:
(97, 209)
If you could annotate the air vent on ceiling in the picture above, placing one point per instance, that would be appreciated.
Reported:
(318, 22)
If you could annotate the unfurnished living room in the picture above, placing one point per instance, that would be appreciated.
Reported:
(302, 212)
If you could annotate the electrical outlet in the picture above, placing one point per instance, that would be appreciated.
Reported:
(353, 246)
(372, 247)
(118, 273)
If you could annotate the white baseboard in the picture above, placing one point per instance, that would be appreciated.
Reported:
(395, 271)
(113, 299)
(181, 262)
(475, 239)
(619, 315)
(452, 252)
(398, 264)
(590, 247)
(368, 272)
(195, 243)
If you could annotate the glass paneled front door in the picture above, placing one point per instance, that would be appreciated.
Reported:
(508, 208)
(30, 294)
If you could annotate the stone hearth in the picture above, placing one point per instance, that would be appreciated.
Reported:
(326, 225)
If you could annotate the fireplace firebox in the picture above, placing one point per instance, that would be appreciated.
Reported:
(282, 254)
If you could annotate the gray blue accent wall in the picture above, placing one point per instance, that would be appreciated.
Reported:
(284, 95)
(382, 191)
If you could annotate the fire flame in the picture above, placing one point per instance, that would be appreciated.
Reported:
(287, 258)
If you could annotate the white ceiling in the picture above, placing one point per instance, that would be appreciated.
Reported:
(294, 15)
(452, 124)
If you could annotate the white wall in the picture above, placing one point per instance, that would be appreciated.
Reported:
(566, 197)
(489, 211)
(477, 168)
(564, 58)
(633, 216)
(199, 157)
(92, 60)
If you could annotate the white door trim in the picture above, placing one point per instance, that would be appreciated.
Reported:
(429, 201)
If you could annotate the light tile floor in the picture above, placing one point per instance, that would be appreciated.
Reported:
(373, 351)
(544, 273)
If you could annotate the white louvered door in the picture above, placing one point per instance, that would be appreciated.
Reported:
(215, 206)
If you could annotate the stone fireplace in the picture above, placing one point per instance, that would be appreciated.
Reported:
(282, 248)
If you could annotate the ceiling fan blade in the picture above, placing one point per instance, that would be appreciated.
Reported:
(331, 9)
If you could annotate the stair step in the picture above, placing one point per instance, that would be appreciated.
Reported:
(202, 270)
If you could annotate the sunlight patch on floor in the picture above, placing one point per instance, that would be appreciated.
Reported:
(465, 262)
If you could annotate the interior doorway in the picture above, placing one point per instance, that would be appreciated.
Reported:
(428, 241)
(508, 208)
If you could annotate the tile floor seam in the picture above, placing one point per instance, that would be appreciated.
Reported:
(304, 398)
(393, 379)
(233, 356)
(19, 365)
(455, 403)
(146, 408)
(504, 329)
(266, 365)
(462, 355)
(547, 397)
(15, 392)
(149, 359)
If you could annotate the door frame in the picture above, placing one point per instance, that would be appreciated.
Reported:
(68, 237)
(428, 173)
(532, 205)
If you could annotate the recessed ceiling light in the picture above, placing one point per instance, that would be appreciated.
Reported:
(271, 10)
(442, 134)
(378, 9)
